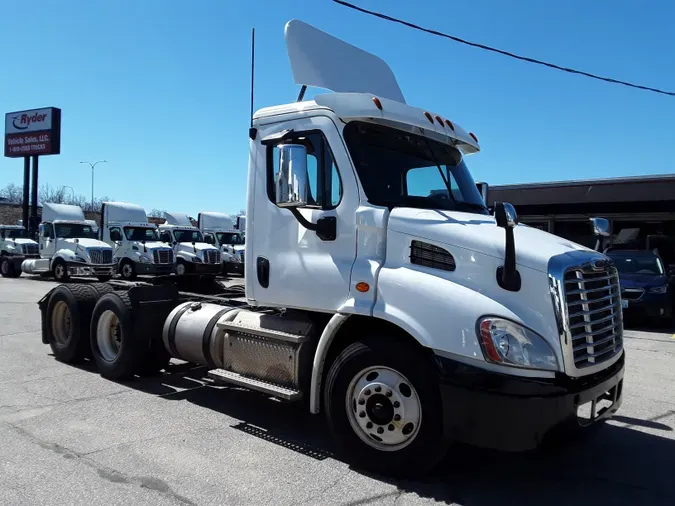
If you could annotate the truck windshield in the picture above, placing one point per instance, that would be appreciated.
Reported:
(229, 238)
(188, 236)
(638, 263)
(74, 231)
(15, 233)
(401, 169)
(141, 234)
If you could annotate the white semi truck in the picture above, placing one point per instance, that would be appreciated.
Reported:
(136, 244)
(15, 247)
(193, 255)
(219, 229)
(409, 318)
(69, 246)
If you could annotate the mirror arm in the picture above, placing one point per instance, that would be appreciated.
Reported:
(325, 228)
(508, 276)
(277, 138)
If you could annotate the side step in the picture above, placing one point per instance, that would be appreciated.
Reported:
(233, 378)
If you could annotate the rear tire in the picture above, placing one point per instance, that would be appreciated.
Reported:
(68, 316)
(116, 349)
(7, 268)
(410, 445)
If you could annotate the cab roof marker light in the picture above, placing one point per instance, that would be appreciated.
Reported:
(429, 117)
(449, 123)
(377, 103)
(440, 120)
(473, 136)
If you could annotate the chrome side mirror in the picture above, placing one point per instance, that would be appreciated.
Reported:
(291, 183)
(505, 214)
(600, 226)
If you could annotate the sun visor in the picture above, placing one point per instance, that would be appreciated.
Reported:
(323, 61)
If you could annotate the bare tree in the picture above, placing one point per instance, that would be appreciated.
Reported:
(157, 213)
(58, 195)
(12, 193)
(242, 212)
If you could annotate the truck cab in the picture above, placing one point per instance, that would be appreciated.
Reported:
(15, 247)
(219, 230)
(136, 244)
(193, 254)
(69, 246)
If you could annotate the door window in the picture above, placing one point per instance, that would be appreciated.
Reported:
(165, 237)
(324, 184)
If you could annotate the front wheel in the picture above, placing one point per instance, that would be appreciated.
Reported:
(384, 408)
(60, 271)
(127, 270)
(181, 267)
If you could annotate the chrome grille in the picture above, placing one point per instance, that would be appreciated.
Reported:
(162, 256)
(31, 249)
(100, 256)
(211, 256)
(594, 326)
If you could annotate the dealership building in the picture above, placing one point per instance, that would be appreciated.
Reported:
(635, 206)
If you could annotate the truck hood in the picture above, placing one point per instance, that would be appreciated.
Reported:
(199, 246)
(22, 241)
(479, 233)
(85, 243)
(154, 244)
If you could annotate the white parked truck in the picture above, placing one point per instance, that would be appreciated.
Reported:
(69, 246)
(219, 229)
(193, 255)
(136, 244)
(15, 247)
(241, 225)
(408, 318)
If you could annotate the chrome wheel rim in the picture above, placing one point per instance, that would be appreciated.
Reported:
(4, 266)
(59, 271)
(127, 270)
(108, 335)
(383, 408)
(180, 269)
(62, 323)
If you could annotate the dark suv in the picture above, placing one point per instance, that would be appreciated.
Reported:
(646, 288)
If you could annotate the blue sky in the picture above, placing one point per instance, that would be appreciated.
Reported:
(160, 88)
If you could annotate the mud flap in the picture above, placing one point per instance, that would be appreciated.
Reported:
(150, 307)
(42, 304)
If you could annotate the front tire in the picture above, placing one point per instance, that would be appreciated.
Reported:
(384, 409)
(60, 271)
(127, 270)
(181, 267)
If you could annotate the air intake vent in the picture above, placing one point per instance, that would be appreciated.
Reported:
(428, 255)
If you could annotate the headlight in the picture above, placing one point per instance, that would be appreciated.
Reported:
(80, 259)
(658, 289)
(196, 259)
(508, 343)
(145, 259)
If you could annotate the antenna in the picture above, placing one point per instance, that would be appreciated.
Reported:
(252, 69)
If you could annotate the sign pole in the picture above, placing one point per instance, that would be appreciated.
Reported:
(34, 196)
(26, 190)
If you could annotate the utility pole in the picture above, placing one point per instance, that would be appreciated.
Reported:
(92, 165)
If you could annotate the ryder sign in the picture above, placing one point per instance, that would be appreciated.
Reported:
(34, 132)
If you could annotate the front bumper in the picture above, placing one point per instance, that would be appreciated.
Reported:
(510, 413)
(649, 306)
(213, 269)
(153, 269)
(80, 269)
(233, 267)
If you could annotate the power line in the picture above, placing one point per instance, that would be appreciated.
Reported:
(502, 52)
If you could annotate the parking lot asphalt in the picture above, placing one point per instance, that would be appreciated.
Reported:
(67, 436)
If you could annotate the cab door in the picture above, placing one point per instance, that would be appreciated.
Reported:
(294, 266)
(47, 240)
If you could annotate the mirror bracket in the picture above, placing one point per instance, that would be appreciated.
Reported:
(277, 138)
(508, 276)
(325, 228)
